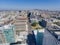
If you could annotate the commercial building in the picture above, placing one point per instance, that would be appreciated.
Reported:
(7, 34)
(39, 35)
(8, 31)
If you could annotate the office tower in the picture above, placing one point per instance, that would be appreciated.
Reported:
(8, 32)
(39, 35)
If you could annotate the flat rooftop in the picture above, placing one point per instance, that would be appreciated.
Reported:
(55, 31)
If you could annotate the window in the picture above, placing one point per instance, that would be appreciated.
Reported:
(0, 41)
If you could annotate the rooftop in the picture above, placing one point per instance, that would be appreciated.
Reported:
(55, 33)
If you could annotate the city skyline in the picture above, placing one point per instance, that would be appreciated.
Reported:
(29, 4)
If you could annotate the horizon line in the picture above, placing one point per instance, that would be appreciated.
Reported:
(31, 9)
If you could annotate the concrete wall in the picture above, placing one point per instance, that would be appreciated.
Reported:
(58, 42)
(49, 39)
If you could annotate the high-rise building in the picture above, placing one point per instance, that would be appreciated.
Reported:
(8, 31)
(21, 27)
(39, 35)
(7, 34)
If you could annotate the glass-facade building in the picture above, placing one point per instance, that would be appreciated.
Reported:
(9, 33)
(39, 35)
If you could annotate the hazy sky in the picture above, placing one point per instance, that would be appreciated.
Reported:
(30, 4)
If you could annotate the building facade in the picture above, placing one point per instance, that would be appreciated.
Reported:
(21, 28)
(51, 38)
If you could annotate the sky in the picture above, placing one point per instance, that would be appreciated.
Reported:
(30, 4)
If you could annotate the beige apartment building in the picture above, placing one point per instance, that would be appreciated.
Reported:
(21, 27)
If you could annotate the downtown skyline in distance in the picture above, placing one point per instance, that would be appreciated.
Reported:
(29, 4)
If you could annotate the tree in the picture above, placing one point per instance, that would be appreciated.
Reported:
(34, 24)
(42, 23)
